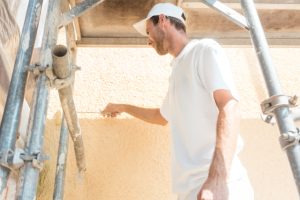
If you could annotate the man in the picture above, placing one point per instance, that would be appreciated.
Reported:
(201, 107)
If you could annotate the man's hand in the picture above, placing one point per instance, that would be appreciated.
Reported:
(112, 110)
(213, 189)
(151, 115)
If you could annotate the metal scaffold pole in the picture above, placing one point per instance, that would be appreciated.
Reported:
(278, 104)
(63, 70)
(11, 115)
(34, 158)
(61, 165)
(61, 162)
(54, 69)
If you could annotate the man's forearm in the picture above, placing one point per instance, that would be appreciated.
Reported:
(151, 115)
(226, 141)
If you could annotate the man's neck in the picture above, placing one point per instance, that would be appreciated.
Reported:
(177, 43)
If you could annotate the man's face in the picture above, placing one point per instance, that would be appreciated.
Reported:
(156, 37)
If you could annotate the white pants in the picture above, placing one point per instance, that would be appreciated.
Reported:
(238, 190)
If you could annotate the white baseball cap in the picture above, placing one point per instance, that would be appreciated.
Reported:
(167, 9)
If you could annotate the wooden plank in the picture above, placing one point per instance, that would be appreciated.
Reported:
(76, 22)
(242, 40)
(257, 1)
(261, 5)
(265, 1)
(113, 42)
(179, 2)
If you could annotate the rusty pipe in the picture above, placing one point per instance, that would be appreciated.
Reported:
(62, 69)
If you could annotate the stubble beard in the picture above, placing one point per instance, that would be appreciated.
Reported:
(160, 43)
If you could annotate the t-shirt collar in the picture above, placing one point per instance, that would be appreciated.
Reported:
(185, 49)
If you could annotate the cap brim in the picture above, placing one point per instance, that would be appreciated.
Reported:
(141, 27)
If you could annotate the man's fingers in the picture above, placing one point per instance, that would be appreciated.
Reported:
(109, 114)
(111, 110)
(205, 195)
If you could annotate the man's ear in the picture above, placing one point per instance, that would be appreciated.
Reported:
(162, 19)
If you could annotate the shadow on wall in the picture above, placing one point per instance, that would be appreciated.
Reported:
(267, 164)
(126, 159)
(129, 159)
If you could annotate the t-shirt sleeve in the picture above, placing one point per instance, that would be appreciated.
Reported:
(215, 70)
(164, 109)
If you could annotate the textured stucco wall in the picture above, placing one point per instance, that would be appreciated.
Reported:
(129, 159)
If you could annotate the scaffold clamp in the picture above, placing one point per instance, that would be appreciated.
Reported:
(269, 105)
(59, 83)
(37, 159)
(270, 119)
(11, 159)
(6, 158)
(289, 139)
(55, 82)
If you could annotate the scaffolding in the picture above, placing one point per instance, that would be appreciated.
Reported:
(56, 68)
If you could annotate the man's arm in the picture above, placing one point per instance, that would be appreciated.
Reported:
(151, 115)
(226, 142)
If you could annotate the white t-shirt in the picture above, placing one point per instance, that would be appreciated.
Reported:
(189, 107)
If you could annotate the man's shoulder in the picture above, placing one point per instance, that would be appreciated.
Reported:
(199, 46)
(205, 42)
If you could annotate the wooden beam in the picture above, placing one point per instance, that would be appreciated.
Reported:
(261, 1)
(113, 42)
(179, 2)
(76, 22)
(261, 5)
(242, 40)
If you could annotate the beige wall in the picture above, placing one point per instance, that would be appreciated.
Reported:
(129, 159)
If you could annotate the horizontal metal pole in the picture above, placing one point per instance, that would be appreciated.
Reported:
(78, 10)
(62, 69)
(228, 12)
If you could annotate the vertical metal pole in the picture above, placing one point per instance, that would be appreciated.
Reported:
(61, 162)
(34, 147)
(11, 116)
(284, 119)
